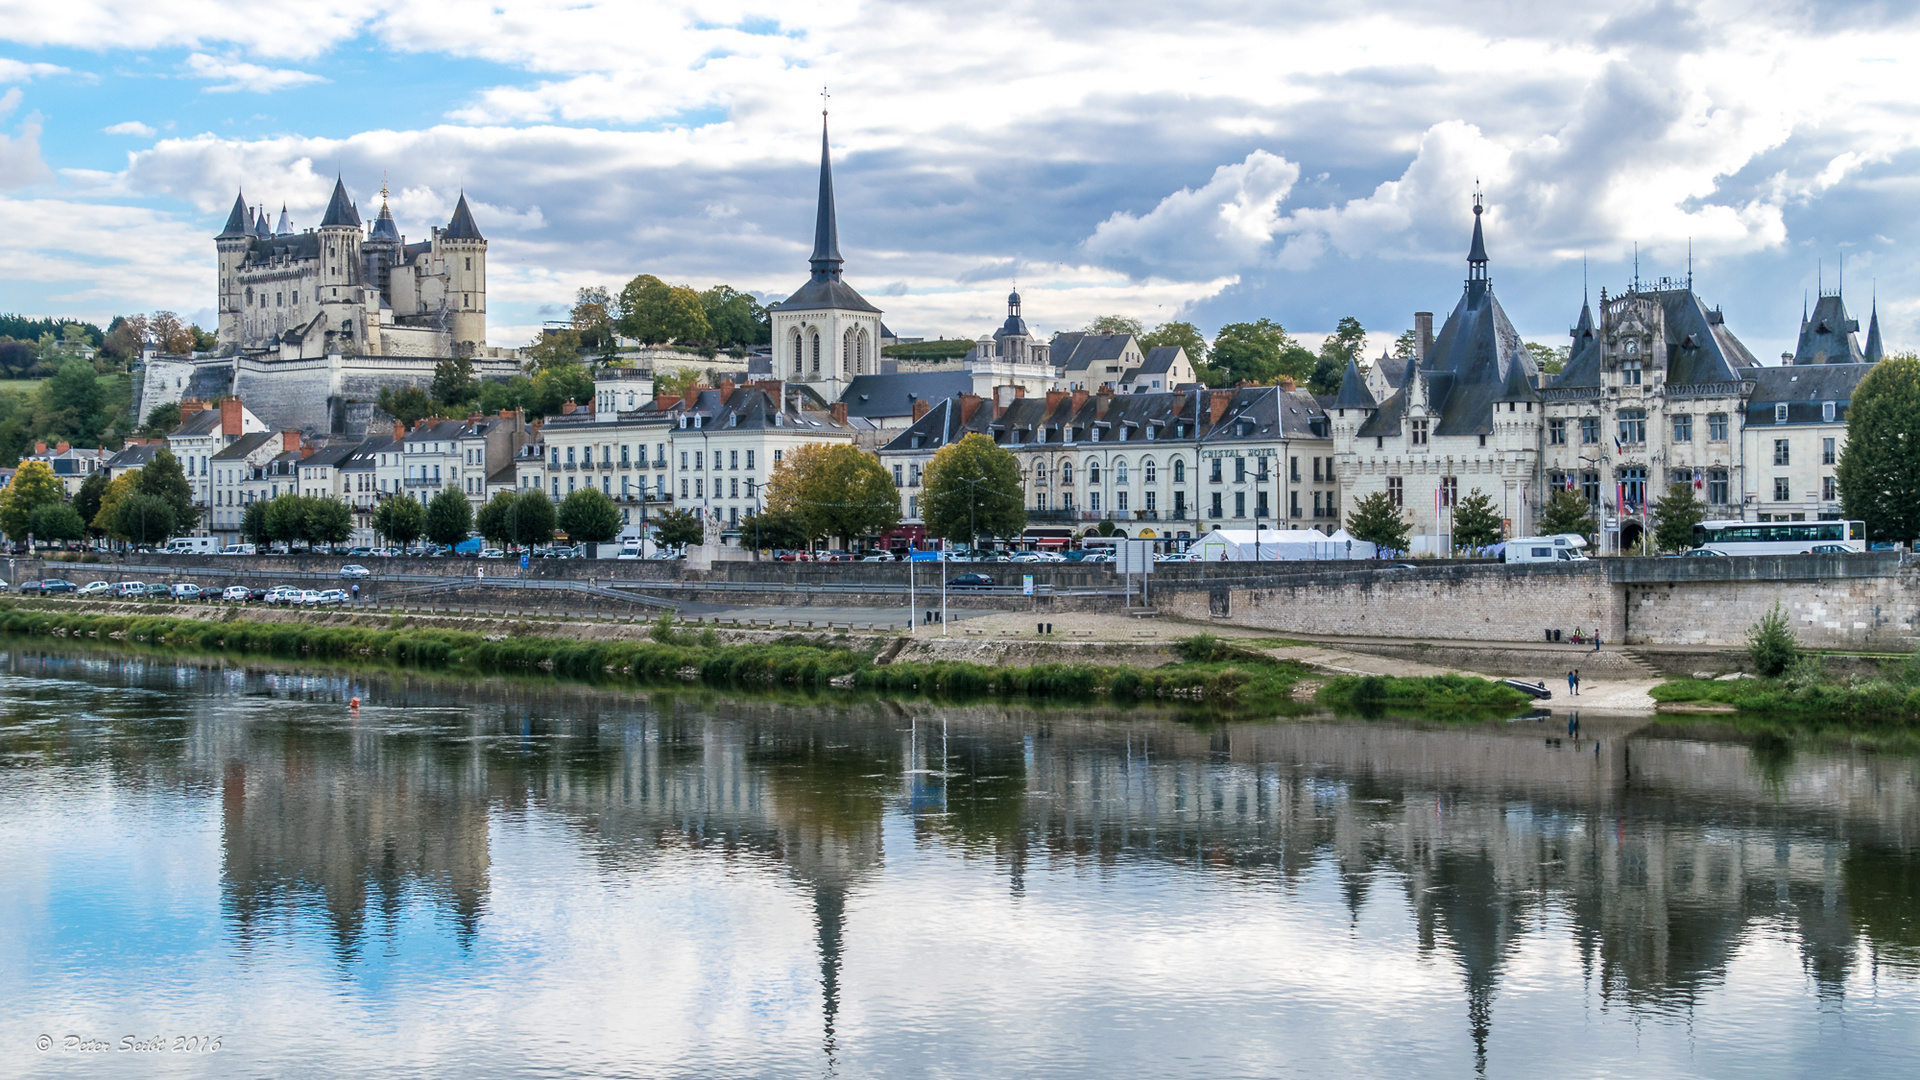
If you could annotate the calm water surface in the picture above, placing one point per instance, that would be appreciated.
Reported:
(516, 879)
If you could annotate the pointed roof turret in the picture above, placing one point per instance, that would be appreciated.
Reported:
(1874, 351)
(1477, 282)
(826, 258)
(1353, 392)
(340, 211)
(462, 226)
(286, 225)
(236, 221)
(1583, 330)
(260, 227)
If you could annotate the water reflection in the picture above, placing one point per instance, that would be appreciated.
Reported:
(1659, 856)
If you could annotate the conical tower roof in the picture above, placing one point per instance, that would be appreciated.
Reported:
(237, 220)
(1353, 392)
(286, 225)
(1875, 351)
(462, 226)
(260, 227)
(340, 211)
(826, 227)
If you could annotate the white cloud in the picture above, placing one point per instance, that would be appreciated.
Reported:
(1227, 223)
(130, 127)
(235, 75)
(10, 101)
(21, 71)
(20, 161)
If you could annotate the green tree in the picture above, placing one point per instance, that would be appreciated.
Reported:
(1377, 521)
(736, 318)
(1115, 324)
(117, 489)
(454, 386)
(1404, 345)
(1770, 642)
(653, 312)
(1879, 471)
(1183, 335)
(449, 517)
(1476, 524)
(532, 518)
(1674, 517)
(34, 486)
(56, 521)
(144, 519)
(71, 405)
(404, 403)
(774, 530)
(559, 384)
(1258, 352)
(329, 521)
(553, 346)
(680, 528)
(587, 516)
(162, 419)
(1567, 512)
(972, 490)
(286, 518)
(400, 519)
(592, 321)
(163, 478)
(835, 490)
(493, 521)
(86, 501)
(253, 524)
(514, 393)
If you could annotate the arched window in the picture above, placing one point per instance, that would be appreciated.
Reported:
(1147, 468)
(1093, 472)
(799, 360)
(1066, 473)
(1179, 471)
(816, 352)
(1120, 471)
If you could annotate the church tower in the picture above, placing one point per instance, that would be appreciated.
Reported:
(465, 252)
(826, 333)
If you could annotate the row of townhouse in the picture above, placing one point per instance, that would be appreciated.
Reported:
(1165, 465)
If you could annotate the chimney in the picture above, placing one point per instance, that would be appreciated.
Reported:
(1422, 334)
(664, 402)
(1287, 384)
(1217, 405)
(399, 431)
(420, 423)
(1054, 398)
(1106, 389)
(920, 407)
(693, 394)
(39, 448)
(506, 414)
(726, 389)
(63, 447)
(1079, 399)
(230, 423)
(838, 411)
(567, 407)
(1002, 397)
(290, 441)
(968, 403)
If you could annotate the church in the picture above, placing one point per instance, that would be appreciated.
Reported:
(336, 290)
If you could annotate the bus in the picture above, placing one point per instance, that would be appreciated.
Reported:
(1779, 537)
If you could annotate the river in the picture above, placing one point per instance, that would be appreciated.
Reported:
(530, 879)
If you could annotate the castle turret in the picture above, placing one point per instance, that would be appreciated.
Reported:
(342, 280)
(231, 245)
(465, 251)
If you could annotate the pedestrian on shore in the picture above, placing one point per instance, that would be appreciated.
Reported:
(1572, 683)
(1576, 682)
(356, 592)
(1596, 641)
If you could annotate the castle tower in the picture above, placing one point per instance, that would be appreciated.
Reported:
(381, 249)
(465, 252)
(231, 247)
(342, 279)
(826, 333)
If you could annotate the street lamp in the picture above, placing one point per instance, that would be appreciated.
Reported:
(1599, 534)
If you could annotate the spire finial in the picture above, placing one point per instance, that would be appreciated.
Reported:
(383, 188)
(823, 99)
(1636, 266)
(1689, 264)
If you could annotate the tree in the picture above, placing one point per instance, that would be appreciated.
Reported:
(164, 479)
(286, 518)
(449, 518)
(1567, 512)
(34, 486)
(774, 530)
(736, 318)
(253, 524)
(1770, 642)
(559, 384)
(1476, 524)
(553, 346)
(1115, 324)
(144, 519)
(117, 489)
(400, 519)
(679, 528)
(329, 521)
(653, 312)
(1674, 517)
(86, 501)
(588, 516)
(1258, 352)
(973, 489)
(1377, 521)
(592, 321)
(1403, 345)
(1879, 471)
(162, 419)
(56, 521)
(525, 517)
(492, 521)
(454, 386)
(1547, 358)
(1183, 335)
(676, 382)
(404, 403)
(835, 490)
(169, 333)
(71, 404)
(1331, 364)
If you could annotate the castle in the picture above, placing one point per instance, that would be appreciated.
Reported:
(334, 291)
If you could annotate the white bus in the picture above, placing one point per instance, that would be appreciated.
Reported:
(1779, 537)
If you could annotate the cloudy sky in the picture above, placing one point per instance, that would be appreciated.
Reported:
(1202, 160)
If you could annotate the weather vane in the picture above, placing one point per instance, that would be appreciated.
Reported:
(823, 99)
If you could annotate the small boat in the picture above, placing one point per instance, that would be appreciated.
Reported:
(1533, 690)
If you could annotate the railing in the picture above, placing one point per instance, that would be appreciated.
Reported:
(421, 481)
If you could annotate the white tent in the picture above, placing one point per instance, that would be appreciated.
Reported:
(1276, 545)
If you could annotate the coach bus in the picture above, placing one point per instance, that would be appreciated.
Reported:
(1779, 537)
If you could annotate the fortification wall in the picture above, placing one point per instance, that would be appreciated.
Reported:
(287, 395)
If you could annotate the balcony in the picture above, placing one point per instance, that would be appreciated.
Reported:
(660, 464)
(422, 482)
(1145, 515)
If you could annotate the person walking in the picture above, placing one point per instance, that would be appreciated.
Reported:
(1596, 641)
(1576, 682)
(1572, 683)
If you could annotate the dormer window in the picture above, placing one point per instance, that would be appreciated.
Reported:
(1779, 414)
(1827, 411)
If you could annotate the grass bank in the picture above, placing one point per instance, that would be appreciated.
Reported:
(1208, 670)
(1426, 692)
(1806, 692)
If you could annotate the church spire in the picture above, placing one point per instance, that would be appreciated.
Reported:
(826, 229)
(1477, 255)
(1875, 351)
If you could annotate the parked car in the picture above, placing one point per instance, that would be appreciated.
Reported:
(93, 588)
(58, 585)
(331, 596)
(359, 553)
(1024, 557)
(131, 590)
(1706, 552)
(1829, 549)
(308, 597)
(492, 553)
(877, 556)
(282, 594)
(970, 581)
(1178, 556)
(236, 594)
(186, 590)
(355, 570)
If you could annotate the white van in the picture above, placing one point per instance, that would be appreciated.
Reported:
(192, 545)
(1564, 547)
(237, 549)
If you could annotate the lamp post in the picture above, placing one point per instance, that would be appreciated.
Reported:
(1599, 533)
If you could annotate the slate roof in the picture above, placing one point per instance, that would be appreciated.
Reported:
(1353, 392)
(462, 226)
(1077, 351)
(1803, 389)
(340, 210)
(1827, 338)
(285, 227)
(204, 422)
(295, 246)
(1392, 368)
(1874, 351)
(384, 227)
(237, 224)
(364, 455)
(1700, 347)
(134, 457)
(893, 395)
(825, 290)
(1252, 413)
(238, 449)
(1159, 360)
(822, 293)
(331, 454)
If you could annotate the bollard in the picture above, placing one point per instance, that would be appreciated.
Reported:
(1039, 628)
(1049, 628)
